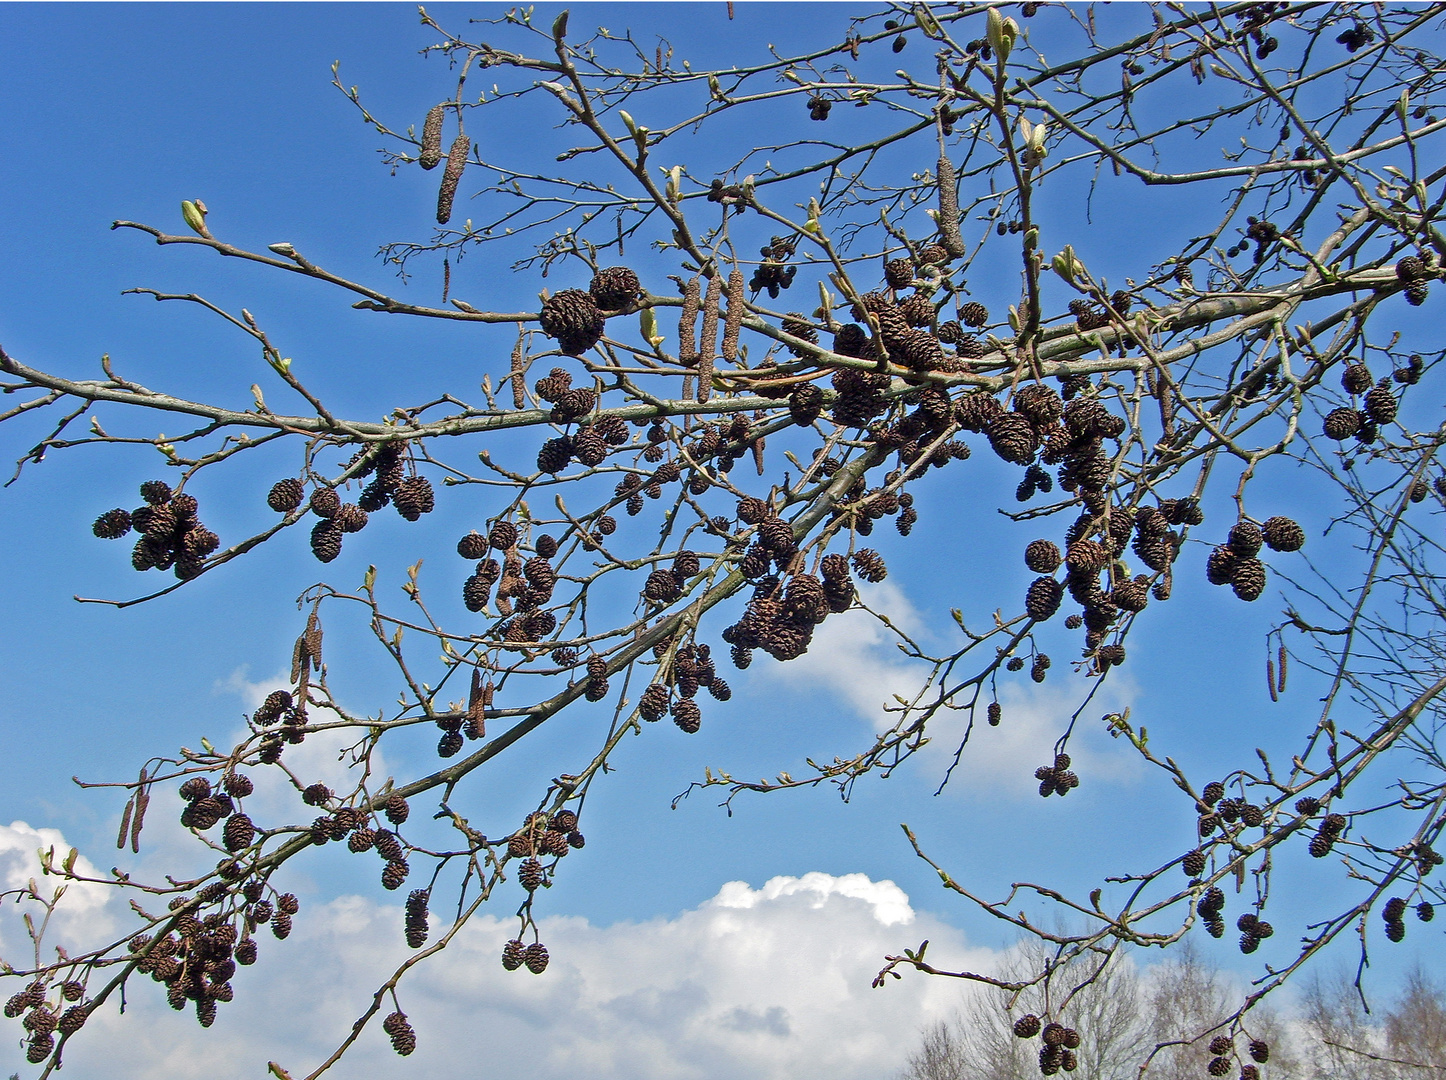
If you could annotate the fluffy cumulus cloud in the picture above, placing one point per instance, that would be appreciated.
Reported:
(769, 983)
(79, 915)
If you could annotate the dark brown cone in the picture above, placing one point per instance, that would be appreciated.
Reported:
(404, 1039)
(394, 873)
(530, 875)
(898, 273)
(1194, 863)
(1042, 556)
(1283, 534)
(687, 715)
(1043, 598)
(513, 954)
(573, 319)
(1027, 1026)
(1245, 539)
(1248, 578)
(805, 404)
(326, 540)
(285, 495)
(1342, 423)
(1259, 1050)
(535, 957)
(112, 525)
(1381, 403)
(869, 565)
(1356, 378)
(917, 310)
(414, 497)
(974, 314)
(473, 546)
(614, 287)
(1012, 437)
(239, 832)
(1220, 566)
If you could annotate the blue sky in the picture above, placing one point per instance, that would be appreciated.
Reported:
(122, 111)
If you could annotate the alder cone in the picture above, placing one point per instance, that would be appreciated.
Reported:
(1012, 437)
(573, 320)
(1381, 403)
(917, 310)
(1042, 600)
(404, 1039)
(1220, 566)
(535, 957)
(239, 832)
(1042, 556)
(687, 715)
(1283, 534)
(112, 525)
(1356, 379)
(870, 565)
(805, 404)
(1248, 579)
(1245, 539)
(1342, 423)
(473, 546)
(1027, 1026)
(1259, 1051)
(513, 955)
(918, 349)
(1086, 557)
(1194, 863)
(614, 287)
(414, 497)
(898, 273)
(974, 314)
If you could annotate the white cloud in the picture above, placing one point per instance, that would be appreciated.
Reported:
(768, 983)
(79, 917)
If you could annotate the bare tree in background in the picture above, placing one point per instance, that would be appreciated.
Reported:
(685, 464)
(1404, 1040)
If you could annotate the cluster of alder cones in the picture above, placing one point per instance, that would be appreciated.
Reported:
(172, 536)
(1058, 1043)
(197, 955)
(1222, 1055)
(46, 1010)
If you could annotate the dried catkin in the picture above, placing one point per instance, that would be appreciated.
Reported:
(687, 322)
(1280, 686)
(451, 177)
(949, 237)
(708, 343)
(432, 138)
(733, 321)
(519, 372)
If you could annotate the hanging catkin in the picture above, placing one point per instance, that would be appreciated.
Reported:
(708, 343)
(432, 138)
(519, 371)
(949, 237)
(451, 177)
(687, 322)
(732, 324)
